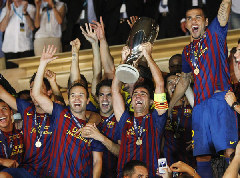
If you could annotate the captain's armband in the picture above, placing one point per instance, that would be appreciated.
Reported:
(160, 101)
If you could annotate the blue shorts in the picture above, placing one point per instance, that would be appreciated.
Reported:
(214, 126)
(18, 173)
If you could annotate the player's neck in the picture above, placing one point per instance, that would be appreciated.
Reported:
(39, 110)
(106, 114)
(9, 128)
(17, 4)
(141, 114)
(80, 115)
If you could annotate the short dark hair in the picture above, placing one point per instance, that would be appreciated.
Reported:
(148, 85)
(45, 81)
(204, 10)
(75, 84)
(128, 168)
(105, 82)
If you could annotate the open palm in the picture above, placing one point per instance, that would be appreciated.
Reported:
(47, 55)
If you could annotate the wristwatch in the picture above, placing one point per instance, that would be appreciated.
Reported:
(234, 105)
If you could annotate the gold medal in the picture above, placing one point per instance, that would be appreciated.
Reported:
(196, 71)
(139, 141)
(38, 144)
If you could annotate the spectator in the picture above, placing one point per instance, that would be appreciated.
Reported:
(235, 15)
(168, 14)
(48, 19)
(16, 21)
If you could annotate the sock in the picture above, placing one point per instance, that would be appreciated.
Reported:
(204, 169)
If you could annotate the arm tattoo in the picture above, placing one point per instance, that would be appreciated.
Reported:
(222, 12)
(74, 57)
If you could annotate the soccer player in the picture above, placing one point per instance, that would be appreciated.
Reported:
(134, 169)
(178, 130)
(106, 132)
(11, 139)
(213, 121)
(37, 131)
(71, 154)
(141, 133)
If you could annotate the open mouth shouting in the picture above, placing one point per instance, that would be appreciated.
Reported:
(2, 119)
(195, 29)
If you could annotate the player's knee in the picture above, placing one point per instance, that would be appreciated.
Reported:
(5, 175)
(203, 158)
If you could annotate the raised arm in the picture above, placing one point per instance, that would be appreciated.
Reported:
(118, 101)
(8, 98)
(224, 11)
(9, 13)
(59, 14)
(27, 16)
(180, 90)
(51, 76)
(97, 164)
(146, 49)
(37, 19)
(43, 100)
(91, 36)
(106, 58)
(75, 70)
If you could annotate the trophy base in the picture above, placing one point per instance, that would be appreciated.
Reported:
(127, 73)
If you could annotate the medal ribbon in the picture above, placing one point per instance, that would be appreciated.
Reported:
(135, 124)
(7, 149)
(39, 135)
(21, 17)
(80, 126)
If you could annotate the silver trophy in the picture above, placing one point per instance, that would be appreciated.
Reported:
(144, 30)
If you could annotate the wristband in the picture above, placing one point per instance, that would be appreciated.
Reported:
(161, 97)
(161, 106)
(234, 105)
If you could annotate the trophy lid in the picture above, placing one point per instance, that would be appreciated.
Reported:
(127, 73)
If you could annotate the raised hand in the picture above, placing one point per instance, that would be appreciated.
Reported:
(47, 55)
(38, 3)
(99, 28)
(132, 21)
(125, 53)
(25, 5)
(8, 6)
(75, 45)
(50, 75)
(90, 34)
(146, 49)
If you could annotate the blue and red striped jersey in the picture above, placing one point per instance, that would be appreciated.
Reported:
(17, 152)
(35, 159)
(108, 127)
(149, 150)
(71, 154)
(178, 132)
(212, 53)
